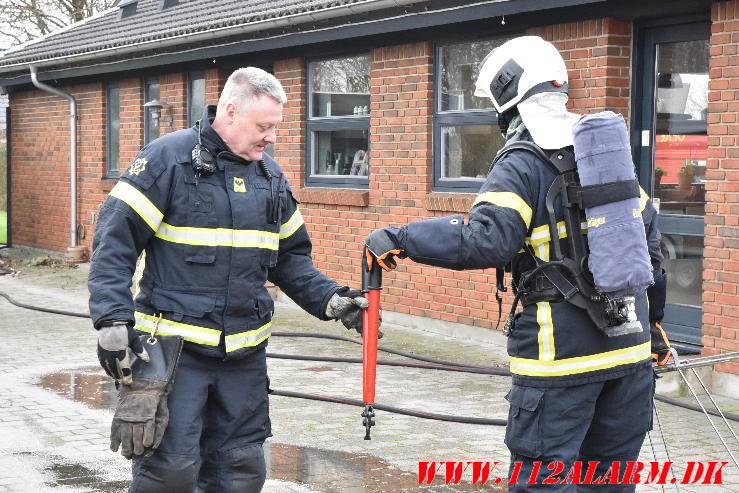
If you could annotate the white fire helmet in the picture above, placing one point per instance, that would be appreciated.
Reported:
(529, 73)
(518, 69)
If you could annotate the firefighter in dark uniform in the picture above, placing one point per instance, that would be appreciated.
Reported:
(577, 395)
(216, 219)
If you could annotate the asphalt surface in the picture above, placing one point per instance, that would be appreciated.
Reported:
(56, 406)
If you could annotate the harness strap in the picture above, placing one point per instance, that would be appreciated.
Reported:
(499, 287)
(595, 195)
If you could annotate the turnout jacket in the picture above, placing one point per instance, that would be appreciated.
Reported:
(210, 243)
(553, 343)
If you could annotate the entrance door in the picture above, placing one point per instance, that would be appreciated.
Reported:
(671, 145)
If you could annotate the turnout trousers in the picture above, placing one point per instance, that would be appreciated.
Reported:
(219, 419)
(603, 421)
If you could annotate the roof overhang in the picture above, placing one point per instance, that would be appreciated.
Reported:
(301, 31)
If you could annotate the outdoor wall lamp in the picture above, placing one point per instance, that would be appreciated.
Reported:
(155, 106)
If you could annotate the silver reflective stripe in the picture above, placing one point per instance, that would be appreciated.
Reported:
(292, 225)
(250, 338)
(139, 203)
(218, 236)
(192, 333)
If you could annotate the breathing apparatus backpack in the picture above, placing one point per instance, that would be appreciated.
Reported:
(603, 275)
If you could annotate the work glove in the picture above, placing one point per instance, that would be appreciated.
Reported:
(660, 344)
(114, 340)
(383, 244)
(347, 305)
(142, 415)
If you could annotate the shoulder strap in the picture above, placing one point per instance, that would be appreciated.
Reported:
(560, 161)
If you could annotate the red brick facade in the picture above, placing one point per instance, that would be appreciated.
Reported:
(721, 264)
(598, 55)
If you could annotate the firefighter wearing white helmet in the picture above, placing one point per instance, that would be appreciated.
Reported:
(577, 394)
(527, 76)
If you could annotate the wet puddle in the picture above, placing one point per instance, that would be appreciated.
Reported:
(324, 471)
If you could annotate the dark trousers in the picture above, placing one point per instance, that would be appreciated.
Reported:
(219, 418)
(604, 421)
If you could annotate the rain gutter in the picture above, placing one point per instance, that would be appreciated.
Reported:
(72, 151)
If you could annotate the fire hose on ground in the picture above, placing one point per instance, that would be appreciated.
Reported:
(443, 365)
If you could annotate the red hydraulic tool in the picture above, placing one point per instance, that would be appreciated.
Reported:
(371, 286)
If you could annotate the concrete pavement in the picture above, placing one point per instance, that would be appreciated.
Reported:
(55, 406)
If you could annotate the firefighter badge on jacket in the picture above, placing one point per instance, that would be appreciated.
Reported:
(138, 166)
(239, 185)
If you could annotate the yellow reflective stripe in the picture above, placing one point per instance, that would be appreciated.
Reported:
(192, 333)
(218, 237)
(509, 200)
(643, 198)
(139, 203)
(546, 331)
(581, 364)
(292, 225)
(540, 234)
(249, 338)
(545, 337)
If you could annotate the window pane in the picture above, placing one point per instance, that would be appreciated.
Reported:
(151, 127)
(684, 265)
(340, 87)
(197, 98)
(680, 154)
(114, 131)
(341, 152)
(681, 137)
(460, 66)
(468, 150)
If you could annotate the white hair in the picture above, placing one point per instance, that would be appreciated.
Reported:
(247, 83)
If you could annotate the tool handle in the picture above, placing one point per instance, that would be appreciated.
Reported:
(371, 286)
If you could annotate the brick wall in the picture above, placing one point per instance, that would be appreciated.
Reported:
(721, 267)
(173, 91)
(598, 57)
(41, 161)
(215, 79)
(290, 146)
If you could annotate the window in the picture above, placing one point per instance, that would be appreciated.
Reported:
(113, 131)
(151, 126)
(195, 97)
(466, 133)
(338, 122)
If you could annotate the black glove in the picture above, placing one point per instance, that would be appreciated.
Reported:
(660, 344)
(114, 340)
(384, 244)
(347, 305)
(142, 415)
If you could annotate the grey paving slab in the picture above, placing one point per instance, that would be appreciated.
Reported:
(55, 408)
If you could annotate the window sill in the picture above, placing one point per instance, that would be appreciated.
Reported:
(449, 202)
(333, 196)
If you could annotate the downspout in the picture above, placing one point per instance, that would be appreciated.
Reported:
(72, 151)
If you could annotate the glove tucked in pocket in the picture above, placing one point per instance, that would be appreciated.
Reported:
(142, 414)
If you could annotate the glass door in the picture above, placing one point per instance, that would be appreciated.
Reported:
(671, 104)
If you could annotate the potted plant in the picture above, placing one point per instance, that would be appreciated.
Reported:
(685, 176)
(658, 174)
